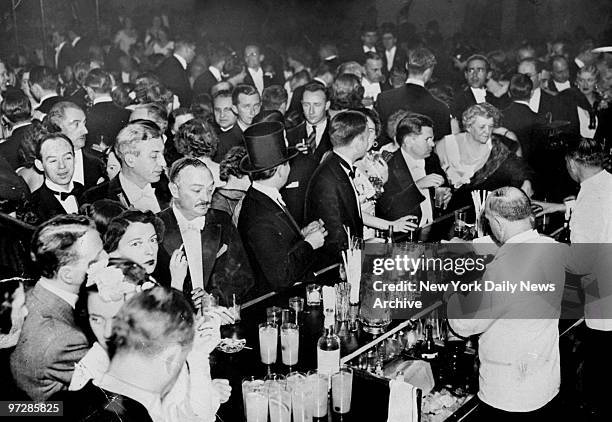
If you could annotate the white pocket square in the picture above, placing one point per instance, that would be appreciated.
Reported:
(291, 185)
(222, 250)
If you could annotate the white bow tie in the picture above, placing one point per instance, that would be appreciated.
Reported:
(196, 224)
(147, 192)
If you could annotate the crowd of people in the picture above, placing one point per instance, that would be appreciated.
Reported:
(160, 170)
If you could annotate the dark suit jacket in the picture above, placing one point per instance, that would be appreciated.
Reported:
(298, 133)
(294, 192)
(224, 275)
(296, 100)
(330, 197)
(93, 169)
(65, 58)
(204, 83)
(416, 99)
(278, 254)
(525, 124)
(548, 104)
(105, 119)
(464, 99)
(46, 105)
(399, 60)
(248, 79)
(112, 190)
(401, 195)
(79, 97)
(46, 205)
(49, 346)
(81, 49)
(9, 148)
(172, 74)
(228, 140)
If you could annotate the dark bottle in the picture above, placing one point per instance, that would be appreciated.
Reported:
(564, 236)
(390, 234)
(429, 347)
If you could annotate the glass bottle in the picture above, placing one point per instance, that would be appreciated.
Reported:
(328, 348)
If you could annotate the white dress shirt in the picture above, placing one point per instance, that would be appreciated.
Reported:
(68, 297)
(70, 203)
(370, 89)
(390, 55)
(103, 99)
(321, 126)
(215, 72)
(591, 222)
(125, 77)
(415, 81)
(191, 233)
(270, 192)
(258, 78)
(75, 41)
(584, 120)
(417, 171)
(534, 101)
(480, 94)
(181, 60)
(368, 49)
(79, 171)
(141, 199)
(562, 86)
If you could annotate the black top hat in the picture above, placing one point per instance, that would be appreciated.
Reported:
(266, 148)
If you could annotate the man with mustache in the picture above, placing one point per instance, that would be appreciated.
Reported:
(140, 150)
(217, 260)
(69, 119)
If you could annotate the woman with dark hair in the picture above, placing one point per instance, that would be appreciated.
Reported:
(26, 155)
(102, 212)
(346, 94)
(229, 197)
(12, 314)
(198, 139)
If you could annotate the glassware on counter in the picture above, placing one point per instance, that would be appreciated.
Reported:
(268, 343)
(290, 343)
(319, 386)
(279, 401)
(313, 295)
(255, 402)
(342, 390)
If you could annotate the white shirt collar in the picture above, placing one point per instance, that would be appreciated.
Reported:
(344, 157)
(79, 170)
(316, 78)
(562, 86)
(242, 125)
(46, 97)
(524, 237)
(391, 51)
(76, 40)
(412, 162)
(181, 60)
(332, 57)
(320, 128)
(415, 81)
(57, 188)
(103, 99)
(184, 223)
(269, 191)
(534, 101)
(21, 124)
(524, 102)
(131, 189)
(59, 47)
(68, 297)
(259, 71)
(215, 72)
(148, 399)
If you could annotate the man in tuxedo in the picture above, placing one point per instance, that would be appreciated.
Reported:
(43, 86)
(477, 72)
(246, 104)
(59, 193)
(519, 118)
(79, 44)
(69, 119)
(255, 75)
(369, 38)
(105, 118)
(229, 133)
(414, 96)
(280, 252)
(414, 173)
(560, 75)
(331, 195)
(17, 109)
(393, 57)
(217, 260)
(173, 71)
(51, 343)
(540, 102)
(373, 80)
(212, 75)
(140, 183)
(314, 134)
(64, 55)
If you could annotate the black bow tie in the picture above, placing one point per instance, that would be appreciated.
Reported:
(351, 169)
(64, 195)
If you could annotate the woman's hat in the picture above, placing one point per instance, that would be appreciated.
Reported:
(266, 147)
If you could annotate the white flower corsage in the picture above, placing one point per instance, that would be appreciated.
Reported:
(111, 284)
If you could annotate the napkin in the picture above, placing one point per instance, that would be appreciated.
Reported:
(403, 402)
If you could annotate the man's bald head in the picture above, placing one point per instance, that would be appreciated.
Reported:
(509, 203)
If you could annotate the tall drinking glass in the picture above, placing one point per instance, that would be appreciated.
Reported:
(290, 344)
(279, 401)
(268, 343)
(301, 397)
(342, 389)
(256, 408)
(248, 384)
(319, 384)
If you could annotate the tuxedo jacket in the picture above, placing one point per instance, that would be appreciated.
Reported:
(93, 169)
(80, 98)
(277, 251)
(46, 105)
(464, 99)
(401, 196)
(525, 124)
(49, 346)
(106, 119)
(225, 264)
(331, 198)
(66, 57)
(399, 60)
(204, 83)
(9, 149)
(112, 190)
(175, 78)
(294, 192)
(548, 104)
(267, 80)
(81, 49)
(568, 102)
(46, 205)
(228, 140)
(416, 99)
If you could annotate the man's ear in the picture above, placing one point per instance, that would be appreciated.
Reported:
(39, 165)
(171, 357)
(129, 159)
(234, 109)
(261, 58)
(64, 273)
(327, 104)
(173, 189)
(489, 73)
